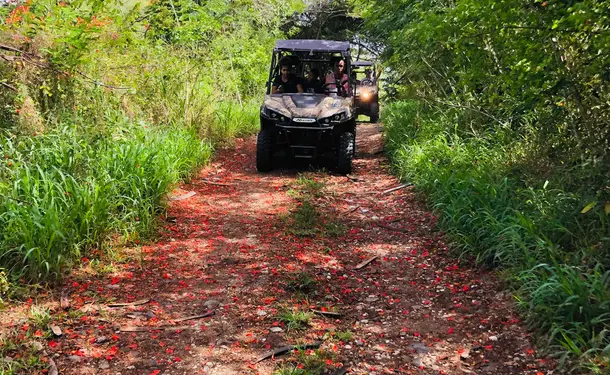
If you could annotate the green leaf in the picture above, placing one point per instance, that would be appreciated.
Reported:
(588, 207)
(607, 208)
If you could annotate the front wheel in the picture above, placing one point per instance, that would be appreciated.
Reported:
(374, 112)
(264, 150)
(345, 153)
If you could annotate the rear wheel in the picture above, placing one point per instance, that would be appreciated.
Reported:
(374, 112)
(345, 153)
(264, 150)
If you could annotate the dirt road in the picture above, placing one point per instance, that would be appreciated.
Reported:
(236, 250)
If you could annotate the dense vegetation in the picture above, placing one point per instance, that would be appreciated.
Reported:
(502, 119)
(105, 105)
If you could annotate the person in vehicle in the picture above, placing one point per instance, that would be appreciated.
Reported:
(286, 82)
(313, 83)
(368, 79)
(339, 74)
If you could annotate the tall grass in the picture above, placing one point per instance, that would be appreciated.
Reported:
(499, 209)
(62, 193)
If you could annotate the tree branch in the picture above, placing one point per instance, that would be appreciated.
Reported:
(8, 86)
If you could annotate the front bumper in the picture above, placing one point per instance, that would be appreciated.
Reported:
(305, 140)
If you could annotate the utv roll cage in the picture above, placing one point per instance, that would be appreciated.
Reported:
(309, 52)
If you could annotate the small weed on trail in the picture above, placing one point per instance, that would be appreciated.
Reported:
(309, 185)
(344, 336)
(308, 362)
(301, 282)
(40, 316)
(306, 220)
(295, 319)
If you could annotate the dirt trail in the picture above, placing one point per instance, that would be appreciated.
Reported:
(412, 310)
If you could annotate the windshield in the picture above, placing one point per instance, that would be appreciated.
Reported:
(304, 72)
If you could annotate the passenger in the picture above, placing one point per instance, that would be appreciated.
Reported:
(341, 75)
(313, 83)
(286, 82)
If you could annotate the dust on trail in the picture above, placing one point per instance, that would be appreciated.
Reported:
(413, 310)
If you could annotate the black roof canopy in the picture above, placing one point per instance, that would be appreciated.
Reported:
(312, 45)
(362, 63)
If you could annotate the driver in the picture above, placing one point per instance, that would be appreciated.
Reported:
(286, 82)
(368, 80)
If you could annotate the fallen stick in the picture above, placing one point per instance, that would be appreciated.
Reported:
(215, 183)
(286, 349)
(340, 371)
(209, 313)
(401, 230)
(140, 329)
(353, 209)
(183, 196)
(327, 313)
(125, 304)
(177, 328)
(364, 263)
(396, 188)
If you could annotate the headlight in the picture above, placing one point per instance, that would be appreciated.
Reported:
(365, 95)
(338, 117)
(273, 114)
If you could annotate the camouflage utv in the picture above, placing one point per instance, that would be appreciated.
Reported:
(312, 123)
(367, 89)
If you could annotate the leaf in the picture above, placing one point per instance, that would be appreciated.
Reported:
(607, 208)
(588, 207)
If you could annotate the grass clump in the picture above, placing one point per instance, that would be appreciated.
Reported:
(295, 319)
(344, 336)
(65, 193)
(39, 316)
(301, 282)
(309, 185)
(309, 362)
(306, 220)
(303, 222)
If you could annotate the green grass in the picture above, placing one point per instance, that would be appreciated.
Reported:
(295, 320)
(67, 191)
(344, 336)
(309, 184)
(40, 316)
(308, 362)
(301, 282)
(303, 222)
(232, 120)
(500, 205)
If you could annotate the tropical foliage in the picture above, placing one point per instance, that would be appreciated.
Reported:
(105, 105)
(502, 120)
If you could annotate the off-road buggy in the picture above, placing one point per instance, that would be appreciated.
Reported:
(367, 89)
(309, 125)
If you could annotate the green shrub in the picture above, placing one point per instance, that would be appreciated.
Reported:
(503, 214)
